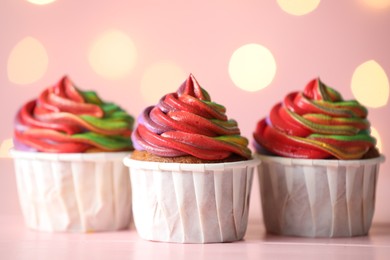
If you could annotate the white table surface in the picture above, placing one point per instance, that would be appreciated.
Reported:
(18, 242)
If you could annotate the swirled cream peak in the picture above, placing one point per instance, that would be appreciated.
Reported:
(187, 122)
(315, 123)
(64, 119)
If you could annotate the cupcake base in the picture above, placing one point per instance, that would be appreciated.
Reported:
(146, 156)
(73, 192)
(318, 198)
(191, 203)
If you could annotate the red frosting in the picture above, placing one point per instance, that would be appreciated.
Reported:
(64, 119)
(316, 123)
(189, 123)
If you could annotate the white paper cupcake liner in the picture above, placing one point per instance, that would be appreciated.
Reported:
(88, 192)
(318, 198)
(191, 203)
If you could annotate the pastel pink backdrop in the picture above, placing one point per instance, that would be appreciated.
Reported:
(200, 37)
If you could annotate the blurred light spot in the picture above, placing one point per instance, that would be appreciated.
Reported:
(161, 78)
(41, 2)
(112, 55)
(27, 62)
(370, 84)
(298, 7)
(252, 67)
(375, 134)
(377, 4)
(5, 146)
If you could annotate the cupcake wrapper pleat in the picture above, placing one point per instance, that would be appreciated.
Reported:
(318, 200)
(79, 196)
(191, 206)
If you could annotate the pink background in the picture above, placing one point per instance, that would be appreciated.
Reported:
(200, 37)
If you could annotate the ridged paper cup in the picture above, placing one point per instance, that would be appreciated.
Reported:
(318, 198)
(79, 192)
(191, 203)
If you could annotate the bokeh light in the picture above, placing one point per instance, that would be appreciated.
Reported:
(252, 67)
(41, 2)
(377, 4)
(370, 84)
(27, 62)
(375, 134)
(113, 55)
(298, 7)
(161, 78)
(5, 146)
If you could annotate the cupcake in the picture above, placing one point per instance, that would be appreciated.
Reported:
(68, 150)
(319, 165)
(191, 170)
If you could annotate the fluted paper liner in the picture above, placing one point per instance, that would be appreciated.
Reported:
(73, 192)
(191, 203)
(318, 198)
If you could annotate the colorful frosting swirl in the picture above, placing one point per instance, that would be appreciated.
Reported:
(65, 119)
(317, 124)
(189, 123)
